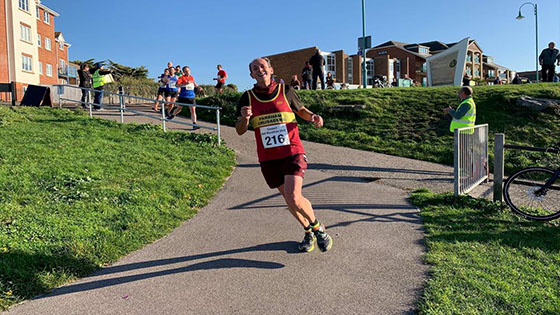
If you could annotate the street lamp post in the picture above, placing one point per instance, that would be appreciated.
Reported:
(364, 69)
(520, 17)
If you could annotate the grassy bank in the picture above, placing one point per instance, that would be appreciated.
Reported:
(485, 260)
(78, 193)
(410, 122)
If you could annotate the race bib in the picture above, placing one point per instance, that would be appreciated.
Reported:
(274, 136)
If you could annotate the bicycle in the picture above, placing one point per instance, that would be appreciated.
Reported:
(534, 192)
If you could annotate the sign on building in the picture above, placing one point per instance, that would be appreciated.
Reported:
(447, 67)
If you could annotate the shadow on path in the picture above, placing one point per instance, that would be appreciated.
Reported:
(288, 247)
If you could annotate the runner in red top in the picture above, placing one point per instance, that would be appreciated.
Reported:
(271, 109)
(222, 76)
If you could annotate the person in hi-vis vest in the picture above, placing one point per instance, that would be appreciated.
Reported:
(98, 84)
(465, 115)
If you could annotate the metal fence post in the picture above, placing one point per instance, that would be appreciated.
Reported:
(14, 93)
(88, 102)
(121, 102)
(456, 162)
(499, 141)
(218, 126)
(163, 115)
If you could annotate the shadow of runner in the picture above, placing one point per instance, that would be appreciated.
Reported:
(207, 265)
(289, 247)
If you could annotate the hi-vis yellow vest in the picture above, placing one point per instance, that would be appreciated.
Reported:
(98, 79)
(468, 120)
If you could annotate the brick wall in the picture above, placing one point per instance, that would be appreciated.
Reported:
(3, 45)
(47, 56)
(287, 64)
(395, 52)
(340, 64)
(356, 69)
(381, 65)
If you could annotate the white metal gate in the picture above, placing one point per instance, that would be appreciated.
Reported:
(471, 158)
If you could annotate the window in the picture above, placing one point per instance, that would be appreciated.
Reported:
(469, 58)
(39, 40)
(49, 70)
(24, 5)
(477, 72)
(424, 67)
(61, 45)
(62, 64)
(38, 13)
(370, 68)
(331, 63)
(25, 32)
(46, 17)
(491, 73)
(423, 50)
(424, 81)
(477, 58)
(26, 63)
(40, 67)
(469, 71)
(47, 43)
(349, 71)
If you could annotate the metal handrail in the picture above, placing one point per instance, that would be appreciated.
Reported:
(122, 107)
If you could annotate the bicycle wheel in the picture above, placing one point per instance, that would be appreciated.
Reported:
(525, 195)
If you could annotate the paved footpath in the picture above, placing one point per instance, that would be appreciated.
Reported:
(239, 254)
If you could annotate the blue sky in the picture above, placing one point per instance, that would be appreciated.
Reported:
(202, 34)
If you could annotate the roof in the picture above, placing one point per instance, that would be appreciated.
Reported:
(392, 43)
(435, 45)
(60, 38)
(51, 11)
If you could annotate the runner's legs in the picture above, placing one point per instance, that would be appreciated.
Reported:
(299, 206)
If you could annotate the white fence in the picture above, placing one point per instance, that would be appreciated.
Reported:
(72, 93)
(471, 158)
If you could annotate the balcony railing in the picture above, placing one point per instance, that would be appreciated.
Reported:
(67, 71)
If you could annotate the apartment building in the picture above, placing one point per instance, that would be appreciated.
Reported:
(344, 68)
(395, 59)
(31, 52)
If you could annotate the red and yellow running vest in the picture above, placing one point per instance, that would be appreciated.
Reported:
(275, 125)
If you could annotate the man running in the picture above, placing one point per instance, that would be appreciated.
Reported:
(170, 89)
(161, 88)
(186, 86)
(222, 76)
(270, 108)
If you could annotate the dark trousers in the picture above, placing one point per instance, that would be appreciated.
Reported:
(307, 84)
(321, 76)
(98, 97)
(547, 73)
(85, 97)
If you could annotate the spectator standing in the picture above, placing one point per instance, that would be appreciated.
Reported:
(161, 88)
(307, 76)
(85, 82)
(295, 82)
(516, 80)
(99, 85)
(547, 59)
(221, 78)
(465, 115)
(317, 63)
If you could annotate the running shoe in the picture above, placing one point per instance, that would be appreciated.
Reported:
(324, 240)
(308, 243)
(170, 117)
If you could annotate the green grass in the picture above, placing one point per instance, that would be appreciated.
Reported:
(79, 193)
(410, 122)
(486, 260)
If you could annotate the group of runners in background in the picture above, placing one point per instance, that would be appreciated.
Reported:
(177, 84)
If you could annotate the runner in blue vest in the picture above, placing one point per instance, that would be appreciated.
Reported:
(171, 89)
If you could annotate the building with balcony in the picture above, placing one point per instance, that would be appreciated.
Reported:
(31, 52)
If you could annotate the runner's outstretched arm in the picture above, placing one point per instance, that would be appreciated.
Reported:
(243, 122)
(307, 115)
